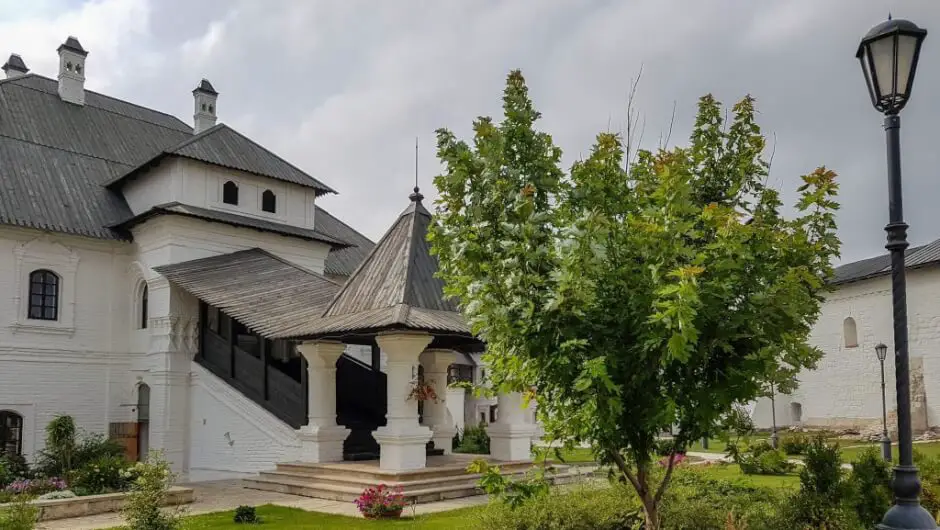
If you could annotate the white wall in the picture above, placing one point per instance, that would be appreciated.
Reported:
(845, 389)
(198, 184)
(79, 365)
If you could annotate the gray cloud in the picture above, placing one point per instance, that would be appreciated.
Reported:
(342, 88)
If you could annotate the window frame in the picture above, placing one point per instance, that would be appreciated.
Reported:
(45, 252)
(227, 185)
(5, 430)
(44, 279)
(267, 195)
(143, 306)
(846, 343)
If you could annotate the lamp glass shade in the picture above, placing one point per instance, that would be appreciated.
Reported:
(881, 351)
(888, 55)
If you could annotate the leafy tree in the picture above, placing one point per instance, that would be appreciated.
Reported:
(633, 298)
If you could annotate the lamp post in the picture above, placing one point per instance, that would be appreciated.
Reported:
(774, 440)
(882, 352)
(888, 55)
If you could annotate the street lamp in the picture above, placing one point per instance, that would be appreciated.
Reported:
(888, 55)
(882, 352)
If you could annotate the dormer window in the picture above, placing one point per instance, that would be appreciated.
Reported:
(230, 193)
(268, 201)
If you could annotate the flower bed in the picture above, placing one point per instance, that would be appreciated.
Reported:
(51, 509)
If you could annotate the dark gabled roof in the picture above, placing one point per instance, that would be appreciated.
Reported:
(71, 43)
(233, 219)
(223, 146)
(206, 86)
(55, 156)
(915, 257)
(395, 287)
(342, 261)
(15, 62)
(260, 290)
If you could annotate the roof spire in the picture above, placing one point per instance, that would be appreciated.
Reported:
(416, 196)
(889, 15)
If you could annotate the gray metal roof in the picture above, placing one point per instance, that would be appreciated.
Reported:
(176, 208)
(342, 261)
(71, 43)
(881, 265)
(223, 146)
(394, 287)
(260, 290)
(206, 86)
(15, 62)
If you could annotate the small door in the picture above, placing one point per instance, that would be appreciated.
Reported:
(126, 434)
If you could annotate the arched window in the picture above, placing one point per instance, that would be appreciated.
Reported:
(850, 333)
(43, 295)
(268, 201)
(230, 193)
(11, 433)
(144, 302)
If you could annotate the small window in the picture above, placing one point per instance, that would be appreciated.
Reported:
(211, 109)
(268, 201)
(43, 295)
(144, 302)
(850, 333)
(230, 193)
(11, 433)
(78, 68)
(203, 107)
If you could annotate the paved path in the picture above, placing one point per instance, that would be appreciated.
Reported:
(228, 494)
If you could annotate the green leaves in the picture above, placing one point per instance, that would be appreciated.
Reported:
(633, 301)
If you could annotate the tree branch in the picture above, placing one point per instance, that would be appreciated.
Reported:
(662, 486)
(625, 469)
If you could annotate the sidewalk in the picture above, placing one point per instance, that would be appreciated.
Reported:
(229, 494)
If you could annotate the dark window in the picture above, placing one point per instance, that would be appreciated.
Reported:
(212, 319)
(144, 302)
(43, 295)
(268, 201)
(230, 193)
(11, 433)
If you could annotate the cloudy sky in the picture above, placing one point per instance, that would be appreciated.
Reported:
(341, 88)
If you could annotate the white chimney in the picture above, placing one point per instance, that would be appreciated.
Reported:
(15, 66)
(72, 71)
(204, 97)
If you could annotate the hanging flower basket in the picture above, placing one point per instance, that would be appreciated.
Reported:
(422, 391)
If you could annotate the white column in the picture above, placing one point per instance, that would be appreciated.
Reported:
(321, 439)
(436, 415)
(456, 406)
(402, 440)
(511, 435)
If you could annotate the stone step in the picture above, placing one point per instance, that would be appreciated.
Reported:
(362, 483)
(377, 476)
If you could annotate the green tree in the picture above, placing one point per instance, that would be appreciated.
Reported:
(632, 298)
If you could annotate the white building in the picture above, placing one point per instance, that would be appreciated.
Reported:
(845, 389)
(158, 278)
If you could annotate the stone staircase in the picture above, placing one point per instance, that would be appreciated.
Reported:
(444, 478)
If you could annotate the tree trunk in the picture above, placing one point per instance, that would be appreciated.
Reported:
(651, 511)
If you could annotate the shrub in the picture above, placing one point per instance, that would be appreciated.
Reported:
(6, 475)
(929, 469)
(148, 494)
(66, 451)
(795, 444)
(512, 492)
(107, 474)
(822, 472)
(379, 501)
(52, 495)
(20, 515)
(695, 501)
(583, 507)
(474, 441)
(16, 467)
(761, 459)
(36, 486)
(246, 515)
(870, 481)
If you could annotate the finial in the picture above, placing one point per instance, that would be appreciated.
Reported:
(416, 196)
(889, 15)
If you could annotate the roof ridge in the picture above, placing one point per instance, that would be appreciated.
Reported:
(165, 151)
(139, 106)
(195, 138)
(275, 155)
(410, 256)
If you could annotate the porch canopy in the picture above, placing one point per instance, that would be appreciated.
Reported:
(267, 294)
(395, 289)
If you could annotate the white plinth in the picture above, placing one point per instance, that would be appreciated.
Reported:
(402, 449)
(511, 441)
(321, 444)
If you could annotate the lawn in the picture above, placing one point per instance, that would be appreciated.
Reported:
(577, 455)
(279, 517)
(732, 472)
(850, 453)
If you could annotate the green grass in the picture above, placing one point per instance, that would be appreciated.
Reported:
(714, 446)
(281, 518)
(578, 455)
(733, 473)
(850, 454)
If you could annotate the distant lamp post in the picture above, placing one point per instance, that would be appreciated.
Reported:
(882, 352)
(888, 55)
(774, 440)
